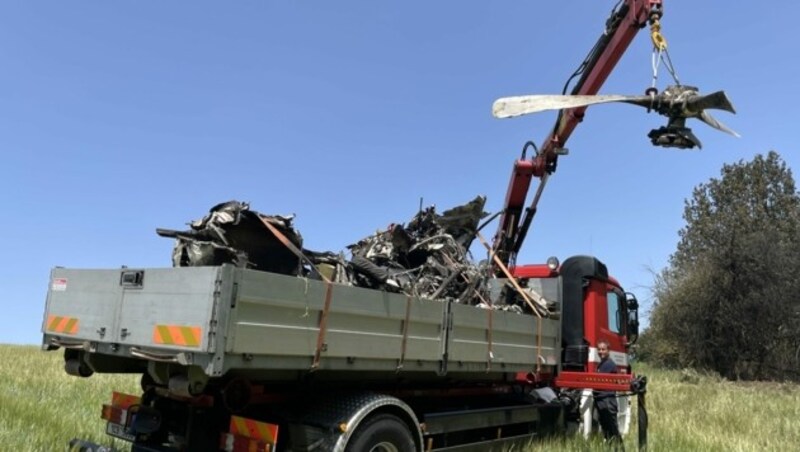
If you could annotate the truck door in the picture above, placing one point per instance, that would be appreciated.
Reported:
(612, 326)
(605, 318)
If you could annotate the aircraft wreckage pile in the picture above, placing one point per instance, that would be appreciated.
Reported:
(427, 258)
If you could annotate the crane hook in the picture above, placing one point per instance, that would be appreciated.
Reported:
(659, 41)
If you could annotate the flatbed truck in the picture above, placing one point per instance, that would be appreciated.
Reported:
(237, 359)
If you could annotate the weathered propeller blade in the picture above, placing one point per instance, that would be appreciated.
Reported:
(677, 102)
(713, 122)
(510, 107)
(693, 103)
(717, 101)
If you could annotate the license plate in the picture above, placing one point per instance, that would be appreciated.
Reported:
(118, 431)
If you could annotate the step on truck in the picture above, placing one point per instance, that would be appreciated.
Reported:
(237, 359)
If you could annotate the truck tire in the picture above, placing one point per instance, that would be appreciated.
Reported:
(382, 433)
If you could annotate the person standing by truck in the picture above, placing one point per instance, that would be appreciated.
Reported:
(606, 401)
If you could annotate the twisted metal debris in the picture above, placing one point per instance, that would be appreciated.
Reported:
(428, 257)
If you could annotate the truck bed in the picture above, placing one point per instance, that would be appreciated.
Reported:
(229, 321)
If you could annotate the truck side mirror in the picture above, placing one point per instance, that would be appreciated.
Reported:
(633, 317)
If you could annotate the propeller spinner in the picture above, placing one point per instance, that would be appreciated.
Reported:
(677, 103)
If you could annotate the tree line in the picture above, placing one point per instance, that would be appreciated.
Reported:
(729, 299)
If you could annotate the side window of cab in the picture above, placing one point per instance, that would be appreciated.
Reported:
(613, 302)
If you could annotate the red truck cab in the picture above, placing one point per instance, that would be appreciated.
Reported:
(594, 307)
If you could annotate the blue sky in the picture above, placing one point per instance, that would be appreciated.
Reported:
(120, 117)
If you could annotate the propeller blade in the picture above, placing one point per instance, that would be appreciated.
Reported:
(510, 107)
(717, 101)
(710, 120)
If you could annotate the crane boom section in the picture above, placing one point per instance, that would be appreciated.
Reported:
(622, 26)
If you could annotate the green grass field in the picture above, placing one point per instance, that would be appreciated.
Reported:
(42, 408)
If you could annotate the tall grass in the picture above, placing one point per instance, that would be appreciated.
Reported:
(42, 408)
(692, 411)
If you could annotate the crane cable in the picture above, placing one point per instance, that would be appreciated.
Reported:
(660, 55)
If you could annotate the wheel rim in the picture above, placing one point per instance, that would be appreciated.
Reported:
(384, 446)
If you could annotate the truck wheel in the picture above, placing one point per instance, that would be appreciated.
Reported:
(382, 433)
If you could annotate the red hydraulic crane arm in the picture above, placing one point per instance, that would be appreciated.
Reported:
(622, 26)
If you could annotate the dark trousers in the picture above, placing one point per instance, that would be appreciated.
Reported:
(607, 412)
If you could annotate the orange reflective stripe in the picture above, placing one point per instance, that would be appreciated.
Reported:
(161, 335)
(62, 324)
(189, 336)
(175, 334)
(261, 431)
(239, 426)
(71, 327)
(59, 324)
(157, 338)
(123, 401)
(232, 442)
(269, 432)
(52, 321)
